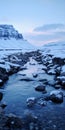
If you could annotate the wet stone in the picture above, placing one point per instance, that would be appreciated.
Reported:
(14, 122)
(35, 75)
(3, 105)
(42, 102)
(57, 86)
(40, 88)
(56, 96)
(31, 101)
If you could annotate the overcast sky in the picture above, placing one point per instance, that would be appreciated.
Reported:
(27, 14)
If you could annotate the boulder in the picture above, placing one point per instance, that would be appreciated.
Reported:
(31, 101)
(40, 88)
(58, 60)
(56, 96)
(35, 75)
(57, 86)
(42, 102)
(13, 122)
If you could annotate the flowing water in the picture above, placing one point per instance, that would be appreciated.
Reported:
(17, 90)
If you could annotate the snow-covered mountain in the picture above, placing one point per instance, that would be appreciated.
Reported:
(8, 32)
(10, 38)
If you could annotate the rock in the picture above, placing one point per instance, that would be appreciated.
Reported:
(42, 102)
(63, 84)
(23, 68)
(56, 96)
(58, 60)
(1, 96)
(63, 70)
(51, 72)
(1, 82)
(40, 88)
(44, 68)
(3, 105)
(61, 80)
(5, 77)
(26, 79)
(30, 117)
(35, 75)
(31, 101)
(13, 69)
(44, 81)
(14, 122)
(57, 86)
(58, 71)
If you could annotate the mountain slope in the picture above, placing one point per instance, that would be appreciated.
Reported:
(12, 39)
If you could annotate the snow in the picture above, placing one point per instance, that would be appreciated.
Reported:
(32, 68)
(0, 81)
(31, 99)
(63, 69)
(14, 44)
(56, 92)
(12, 41)
(56, 49)
(6, 66)
(61, 77)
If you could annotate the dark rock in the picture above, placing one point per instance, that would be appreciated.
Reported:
(26, 79)
(47, 98)
(51, 72)
(58, 60)
(63, 84)
(1, 82)
(42, 102)
(30, 117)
(31, 101)
(3, 105)
(44, 81)
(5, 77)
(58, 82)
(14, 122)
(40, 88)
(1, 96)
(58, 71)
(2, 70)
(56, 96)
(14, 69)
(35, 75)
(57, 86)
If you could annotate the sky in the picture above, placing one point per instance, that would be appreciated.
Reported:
(26, 15)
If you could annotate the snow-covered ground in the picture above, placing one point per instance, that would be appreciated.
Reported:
(56, 49)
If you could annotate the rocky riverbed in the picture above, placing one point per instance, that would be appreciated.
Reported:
(32, 91)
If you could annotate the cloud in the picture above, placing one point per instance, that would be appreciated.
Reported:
(49, 27)
(46, 34)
